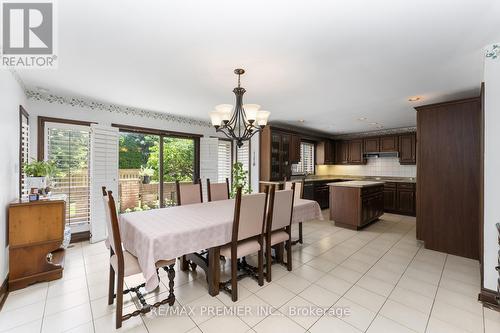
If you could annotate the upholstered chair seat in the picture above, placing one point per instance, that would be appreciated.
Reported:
(243, 248)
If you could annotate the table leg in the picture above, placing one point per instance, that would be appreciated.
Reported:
(213, 270)
(184, 263)
(300, 233)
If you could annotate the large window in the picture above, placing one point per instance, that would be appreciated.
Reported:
(306, 164)
(243, 156)
(224, 160)
(24, 138)
(68, 145)
(149, 164)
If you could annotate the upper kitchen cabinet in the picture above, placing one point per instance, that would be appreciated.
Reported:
(407, 149)
(372, 145)
(294, 148)
(325, 152)
(356, 152)
(389, 143)
(341, 152)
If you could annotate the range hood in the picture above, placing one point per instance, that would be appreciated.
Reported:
(381, 154)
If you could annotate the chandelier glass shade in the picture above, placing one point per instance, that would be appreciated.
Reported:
(242, 122)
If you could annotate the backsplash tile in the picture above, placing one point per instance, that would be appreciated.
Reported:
(383, 166)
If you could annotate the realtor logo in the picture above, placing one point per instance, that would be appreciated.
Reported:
(28, 34)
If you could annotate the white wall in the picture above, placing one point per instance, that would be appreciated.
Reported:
(383, 166)
(11, 96)
(491, 169)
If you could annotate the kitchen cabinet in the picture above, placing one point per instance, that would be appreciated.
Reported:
(341, 152)
(308, 191)
(354, 207)
(356, 152)
(372, 145)
(400, 198)
(407, 149)
(294, 148)
(389, 143)
(390, 197)
(321, 194)
(449, 168)
(275, 153)
(325, 152)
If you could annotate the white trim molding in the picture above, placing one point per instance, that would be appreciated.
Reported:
(125, 110)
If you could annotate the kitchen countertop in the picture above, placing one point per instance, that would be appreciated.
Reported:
(314, 178)
(356, 183)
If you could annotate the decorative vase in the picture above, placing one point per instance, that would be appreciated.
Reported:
(146, 179)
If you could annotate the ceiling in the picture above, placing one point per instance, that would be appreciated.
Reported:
(327, 63)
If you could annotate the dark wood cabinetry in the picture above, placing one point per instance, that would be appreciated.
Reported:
(325, 152)
(294, 148)
(341, 152)
(449, 176)
(321, 195)
(372, 145)
(399, 198)
(356, 152)
(278, 150)
(388, 143)
(355, 207)
(407, 149)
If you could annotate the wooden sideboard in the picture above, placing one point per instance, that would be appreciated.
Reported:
(36, 231)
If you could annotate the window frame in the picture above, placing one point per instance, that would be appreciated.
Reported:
(313, 143)
(162, 134)
(22, 114)
(249, 161)
(232, 158)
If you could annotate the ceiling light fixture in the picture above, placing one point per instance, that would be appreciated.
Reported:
(414, 99)
(244, 121)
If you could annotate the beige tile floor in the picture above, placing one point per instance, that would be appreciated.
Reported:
(382, 275)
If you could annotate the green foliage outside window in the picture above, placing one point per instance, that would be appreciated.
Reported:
(240, 177)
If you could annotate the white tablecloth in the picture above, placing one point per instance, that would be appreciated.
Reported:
(169, 233)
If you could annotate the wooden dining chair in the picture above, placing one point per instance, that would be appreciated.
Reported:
(188, 194)
(279, 226)
(247, 237)
(218, 191)
(123, 264)
(299, 194)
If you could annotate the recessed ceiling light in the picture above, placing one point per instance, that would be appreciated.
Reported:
(414, 99)
(362, 119)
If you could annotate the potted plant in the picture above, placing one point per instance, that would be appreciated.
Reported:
(240, 177)
(37, 174)
(146, 173)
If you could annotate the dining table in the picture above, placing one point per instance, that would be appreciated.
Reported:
(183, 231)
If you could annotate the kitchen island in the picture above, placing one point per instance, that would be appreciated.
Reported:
(355, 204)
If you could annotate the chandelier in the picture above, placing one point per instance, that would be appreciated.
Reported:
(242, 123)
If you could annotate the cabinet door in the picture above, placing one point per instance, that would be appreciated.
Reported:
(356, 151)
(275, 156)
(286, 166)
(390, 198)
(295, 149)
(406, 201)
(389, 143)
(407, 148)
(372, 145)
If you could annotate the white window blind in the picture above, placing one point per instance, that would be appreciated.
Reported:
(224, 161)
(306, 164)
(103, 172)
(208, 161)
(243, 156)
(25, 138)
(69, 147)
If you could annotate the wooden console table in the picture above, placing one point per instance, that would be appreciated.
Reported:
(36, 231)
